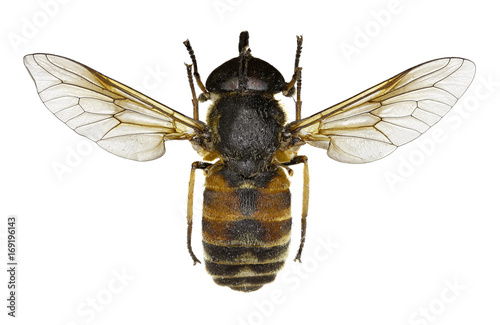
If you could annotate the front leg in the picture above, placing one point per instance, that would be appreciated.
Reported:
(296, 79)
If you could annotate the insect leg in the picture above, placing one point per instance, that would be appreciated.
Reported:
(305, 201)
(296, 79)
(194, 166)
(298, 101)
(193, 91)
(205, 94)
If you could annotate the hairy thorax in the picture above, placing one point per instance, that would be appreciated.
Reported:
(246, 130)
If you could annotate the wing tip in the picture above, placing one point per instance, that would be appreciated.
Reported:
(466, 64)
(28, 60)
(470, 65)
(34, 56)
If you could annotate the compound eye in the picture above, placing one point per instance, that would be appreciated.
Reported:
(230, 84)
(257, 84)
(259, 76)
(252, 84)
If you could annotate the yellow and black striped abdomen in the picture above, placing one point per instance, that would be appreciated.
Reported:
(246, 227)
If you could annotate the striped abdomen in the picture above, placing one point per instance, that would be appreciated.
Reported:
(246, 227)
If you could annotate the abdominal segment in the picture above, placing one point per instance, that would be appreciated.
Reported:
(246, 227)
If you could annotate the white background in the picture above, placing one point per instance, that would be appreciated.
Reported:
(397, 247)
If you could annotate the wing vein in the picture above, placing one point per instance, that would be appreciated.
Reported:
(122, 120)
(373, 123)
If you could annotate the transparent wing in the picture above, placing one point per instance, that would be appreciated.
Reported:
(118, 118)
(372, 124)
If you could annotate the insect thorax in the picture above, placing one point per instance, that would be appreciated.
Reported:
(246, 130)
